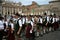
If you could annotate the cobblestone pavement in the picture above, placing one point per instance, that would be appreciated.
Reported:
(50, 36)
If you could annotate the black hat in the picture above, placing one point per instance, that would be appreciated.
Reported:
(17, 14)
(44, 13)
(51, 15)
(1, 18)
(54, 14)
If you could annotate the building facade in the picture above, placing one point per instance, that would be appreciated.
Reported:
(0, 6)
(9, 8)
(34, 9)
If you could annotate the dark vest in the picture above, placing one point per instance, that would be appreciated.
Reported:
(16, 26)
(44, 22)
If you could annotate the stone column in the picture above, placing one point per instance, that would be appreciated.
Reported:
(48, 13)
(15, 10)
(7, 10)
(0, 6)
(3, 10)
(12, 10)
(39, 13)
(0, 9)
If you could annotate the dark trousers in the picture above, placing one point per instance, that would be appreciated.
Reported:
(23, 27)
(1, 34)
(11, 36)
(33, 36)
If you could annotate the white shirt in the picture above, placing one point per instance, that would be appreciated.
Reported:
(12, 25)
(41, 20)
(57, 19)
(26, 19)
(31, 23)
(6, 23)
(20, 23)
(1, 25)
(14, 19)
(23, 20)
(32, 19)
(47, 18)
(53, 20)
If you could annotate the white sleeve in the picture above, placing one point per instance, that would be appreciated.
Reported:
(26, 20)
(47, 19)
(57, 19)
(32, 23)
(20, 23)
(41, 20)
(6, 23)
(12, 26)
(33, 19)
(53, 20)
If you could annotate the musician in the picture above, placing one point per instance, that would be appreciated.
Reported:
(38, 25)
(44, 22)
(5, 27)
(32, 18)
(48, 26)
(54, 22)
(50, 23)
(29, 29)
(41, 25)
(18, 25)
(11, 35)
(57, 21)
(23, 23)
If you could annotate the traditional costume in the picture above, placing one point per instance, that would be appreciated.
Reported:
(38, 26)
(29, 29)
(44, 24)
(11, 31)
(23, 23)
(51, 24)
(48, 24)
(18, 26)
(54, 23)
(1, 28)
(57, 19)
(5, 28)
(41, 26)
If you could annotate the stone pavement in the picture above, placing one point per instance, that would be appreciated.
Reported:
(50, 36)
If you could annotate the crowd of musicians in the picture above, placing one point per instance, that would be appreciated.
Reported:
(29, 26)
